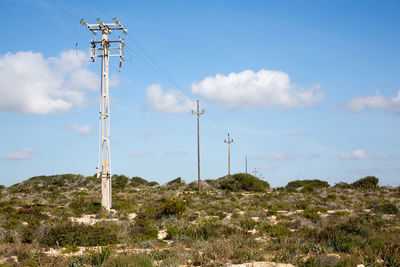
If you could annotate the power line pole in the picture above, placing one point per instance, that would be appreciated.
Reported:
(198, 113)
(246, 164)
(255, 172)
(105, 45)
(229, 153)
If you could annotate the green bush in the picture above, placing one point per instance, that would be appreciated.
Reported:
(83, 206)
(152, 183)
(301, 183)
(80, 234)
(366, 182)
(171, 206)
(172, 232)
(119, 182)
(98, 257)
(140, 260)
(243, 181)
(308, 189)
(144, 230)
(176, 181)
(386, 209)
(274, 231)
(138, 181)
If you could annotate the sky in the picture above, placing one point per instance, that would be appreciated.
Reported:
(306, 89)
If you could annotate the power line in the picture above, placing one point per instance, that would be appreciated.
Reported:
(99, 8)
(61, 9)
(82, 9)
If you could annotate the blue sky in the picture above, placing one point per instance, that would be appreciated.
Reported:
(307, 89)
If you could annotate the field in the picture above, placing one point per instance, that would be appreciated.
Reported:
(58, 221)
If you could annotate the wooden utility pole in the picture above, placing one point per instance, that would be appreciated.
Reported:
(105, 46)
(229, 153)
(198, 113)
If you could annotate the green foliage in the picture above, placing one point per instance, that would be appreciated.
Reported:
(243, 181)
(275, 231)
(171, 206)
(119, 182)
(83, 206)
(312, 215)
(386, 209)
(366, 182)
(152, 183)
(144, 230)
(176, 181)
(80, 234)
(302, 183)
(172, 232)
(97, 258)
(308, 189)
(138, 181)
(140, 260)
(343, 185)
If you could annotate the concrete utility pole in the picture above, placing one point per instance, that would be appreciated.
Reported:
(255, 172)
(105, 45)
(229, 153)
(198, 113)
(246, 164)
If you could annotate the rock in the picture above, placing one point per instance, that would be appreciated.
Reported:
(330, 259)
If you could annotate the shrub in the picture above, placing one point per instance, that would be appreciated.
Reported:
(275, 231)
(98, 257)
(119, 182)
(171, 206)
(301, 183)
(83, 206)
(152, 183)
(243, 181)
(138, 181)
(80, 234)
(144, 230)
(366, 182)
(172, 232)
(176, 181)
(307, 189)
(386, 209)
(141, 260)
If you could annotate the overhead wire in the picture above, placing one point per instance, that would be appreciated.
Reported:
(61, 9)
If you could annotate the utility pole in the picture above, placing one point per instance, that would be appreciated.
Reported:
(246, 164)
(105, 45)
(198, 113)
(255, 172)
(229, 154)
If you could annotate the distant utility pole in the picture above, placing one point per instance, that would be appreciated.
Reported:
(246, 164)
(198, 113)
(229, 153)
(105, 45)
(255, 172)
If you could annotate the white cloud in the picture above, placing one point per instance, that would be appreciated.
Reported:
(249, 89)
(82, 130)
(152, 132)
(357, 154)
(138, 154)
(266, 167)
(378, 101)
(295, 133)
(281, 156)
(20, 154)
(172, 101)
(33, 84)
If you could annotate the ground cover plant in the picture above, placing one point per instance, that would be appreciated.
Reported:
(58, 220)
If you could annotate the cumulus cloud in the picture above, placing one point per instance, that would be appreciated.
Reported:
(33, 84)
(357, 154)
(378, 101)
(172, 101)
(281, 156)
(20, 154)
(82, 130)
(249, 89)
